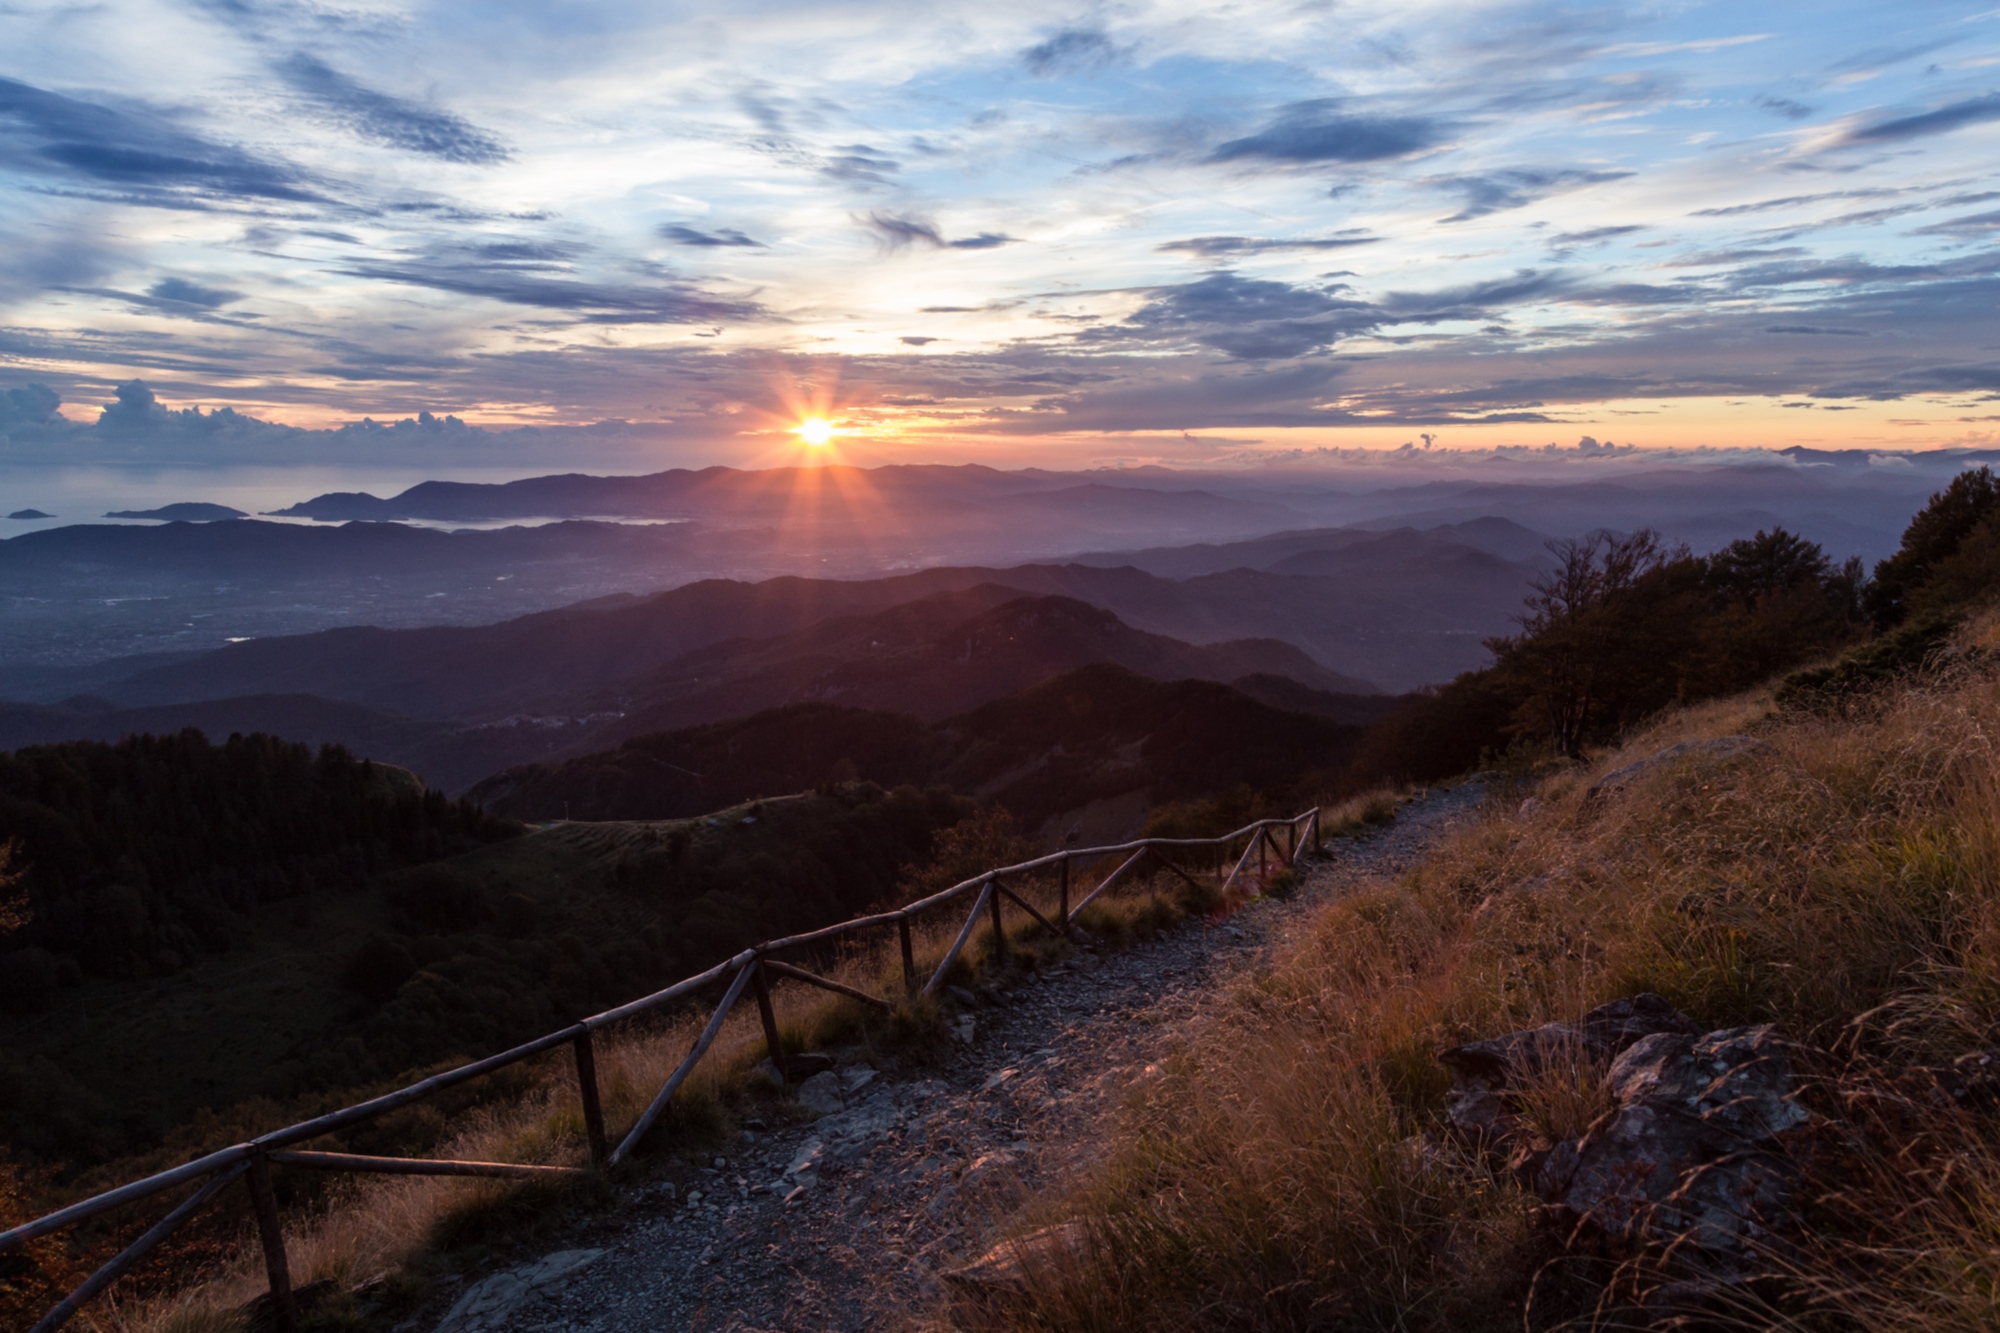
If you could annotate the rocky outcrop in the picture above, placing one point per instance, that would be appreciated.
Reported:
(1692, 1146)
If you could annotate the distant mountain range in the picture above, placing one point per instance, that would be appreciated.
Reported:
(1091, 735)
(457, 704)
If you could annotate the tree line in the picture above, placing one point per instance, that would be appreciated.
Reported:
(1623, 626)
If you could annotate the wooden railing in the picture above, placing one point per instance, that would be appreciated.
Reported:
(750, 970)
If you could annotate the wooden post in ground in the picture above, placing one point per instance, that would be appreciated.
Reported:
(770, 1019)
(1263, 856)
(593, 1108)
(1063, 900)
(909, 957)
(1316, 842)
(999, 931)
(277, 1269)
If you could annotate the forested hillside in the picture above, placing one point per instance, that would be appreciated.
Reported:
(137, 858)
(1094, 734)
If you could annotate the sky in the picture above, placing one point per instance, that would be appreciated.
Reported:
(1136, 232)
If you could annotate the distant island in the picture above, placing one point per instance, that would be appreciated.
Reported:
(29, 513)
(186, 512)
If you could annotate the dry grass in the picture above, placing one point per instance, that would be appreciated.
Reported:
(394, 1228)
(1844, 883)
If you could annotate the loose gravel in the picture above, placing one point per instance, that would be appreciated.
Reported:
(844, 1223)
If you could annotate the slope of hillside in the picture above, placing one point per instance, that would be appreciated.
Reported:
(321, 984)
(1314, 1142)
(1094, 734)
(921, 659)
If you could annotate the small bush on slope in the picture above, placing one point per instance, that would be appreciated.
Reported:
(1845, 884)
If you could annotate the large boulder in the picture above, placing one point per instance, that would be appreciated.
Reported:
(1485, 1074)
(1692, 1145)
(1694, 1149)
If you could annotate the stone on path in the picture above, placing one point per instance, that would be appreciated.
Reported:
(821, 1093)
(1009, 1267)
(491, 1303)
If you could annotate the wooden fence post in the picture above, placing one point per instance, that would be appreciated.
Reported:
(1316, 842)
(770, 1018)
(999, 931)
(909, 956)
(593, 1108)
(277, 1269)
(1063, 900)
(1263, 855)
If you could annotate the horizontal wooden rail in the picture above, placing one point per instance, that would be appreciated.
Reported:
(219, 1168)
(415, 1166)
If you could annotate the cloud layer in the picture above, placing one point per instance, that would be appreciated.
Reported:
(958, 223)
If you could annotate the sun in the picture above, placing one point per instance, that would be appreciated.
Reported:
(816, 431)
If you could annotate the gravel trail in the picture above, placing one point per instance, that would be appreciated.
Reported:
(842, 1224)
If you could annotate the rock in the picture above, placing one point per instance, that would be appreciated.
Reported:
(801, 1065)
(1009, 1268)
(1720, 747)
(964, 1028)
(1482, 1070)
(859, 1127)
(1529, 806)
(962, 995)
(988, 1169)
(490, 1304)
(1690, 1147)
(1693, 1149)
(854, 1080)
(806, 1164)
(821, 1093)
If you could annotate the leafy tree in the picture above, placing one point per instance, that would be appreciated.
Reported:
(1934, 536)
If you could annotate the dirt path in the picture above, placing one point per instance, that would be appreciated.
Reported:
(842, 1224)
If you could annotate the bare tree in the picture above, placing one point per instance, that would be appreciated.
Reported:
(1569, 639)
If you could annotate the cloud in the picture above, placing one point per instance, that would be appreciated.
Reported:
(1943, 120)
(1249, 319)
(1790, 201)
(859, 163)
(1318, 131)
(900, 232)
(1811, 329)
(390, 121)
(1972, 227)
(1216, 247)
(914, 340)
(1785, 107)
(1071, 51)
(143, 158)
(1517, 187)
(182, 292)
(1591, 235)
(542, 275)
(721, 236)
